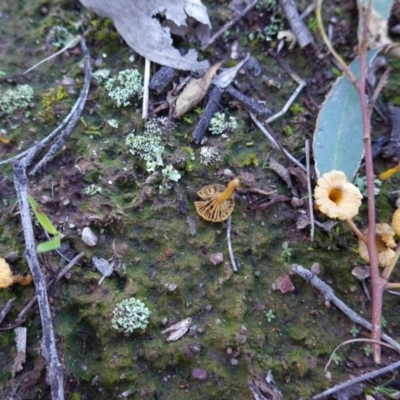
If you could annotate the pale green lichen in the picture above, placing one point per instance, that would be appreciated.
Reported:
(14, 99)
(129, 315)
(219, 125)
(101, 74)
(171, 173)
(126, 85)
(92, 189)
(148, 146)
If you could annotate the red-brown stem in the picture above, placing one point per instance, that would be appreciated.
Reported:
(355, 229)
(377, 283)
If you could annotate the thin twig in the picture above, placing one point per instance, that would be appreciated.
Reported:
(288, 103)
(74, 41)
(74, 118)
(230, 23)
(361, 378)
(49, 350)
(146, 80)
(299, 29)
(329, 295)
(228, 237)
(382, 82)
(309, 190)
(69, 266)
(274, 143)
(6, 309)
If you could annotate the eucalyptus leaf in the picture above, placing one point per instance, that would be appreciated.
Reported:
(42, 217)
(53, 244)
(338, 136)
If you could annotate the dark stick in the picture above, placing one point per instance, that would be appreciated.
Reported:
(66, 133)
(214, 100)
(49, 350)
(250, 104)
(6, 309)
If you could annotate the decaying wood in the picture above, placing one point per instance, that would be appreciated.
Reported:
(214, 101)
(160, 81)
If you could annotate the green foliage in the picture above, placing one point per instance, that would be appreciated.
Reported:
(354, 331)
(367, 350)
(287, 130)
(297, 109)
(286, 251)
(47, 225)
(338, 135)
(270, 315)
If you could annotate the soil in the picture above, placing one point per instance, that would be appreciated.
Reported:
(163, 252)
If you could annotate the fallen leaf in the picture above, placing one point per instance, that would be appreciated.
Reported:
(225, 78)
(137, 22)
(103, 266)
(178, 330)
(194, 92)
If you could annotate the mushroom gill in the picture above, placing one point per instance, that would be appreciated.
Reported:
(217, 202)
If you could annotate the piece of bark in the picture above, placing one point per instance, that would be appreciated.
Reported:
(214, 100)
(160, 81)
(248, 103)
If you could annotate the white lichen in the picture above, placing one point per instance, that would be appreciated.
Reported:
(14, 99)
(129, 315)
(209, 155)
(113, 123)
(126, 85)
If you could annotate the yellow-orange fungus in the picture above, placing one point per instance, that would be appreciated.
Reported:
(336, 197)
(384, 245)
(217, 202)
(388, 173)
(396, 221)
(6, 279)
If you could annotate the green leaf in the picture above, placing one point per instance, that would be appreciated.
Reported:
(53, 244)
(381, 7)
(42, 217)
(338, 135)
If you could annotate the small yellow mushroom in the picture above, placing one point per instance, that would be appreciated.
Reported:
(217, 202)
(396, 222)
(7, 278)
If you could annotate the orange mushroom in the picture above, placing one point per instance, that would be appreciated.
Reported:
(7, 278)
(217, 202)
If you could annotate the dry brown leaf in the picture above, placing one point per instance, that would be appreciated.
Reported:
(137, 22)
(194, 92)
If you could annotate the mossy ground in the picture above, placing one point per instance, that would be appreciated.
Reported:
(227, 309)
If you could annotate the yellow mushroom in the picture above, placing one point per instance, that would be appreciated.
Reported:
(396, 221)
(217, 202)
(7, 278)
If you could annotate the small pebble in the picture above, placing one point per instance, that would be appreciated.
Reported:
(216, 258)
(89, 237)
(200, 374)
(234, 361)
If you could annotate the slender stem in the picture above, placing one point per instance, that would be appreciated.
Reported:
(328, 44)
(388, 270)
(392, 286)
(355, 229)
(378, 284)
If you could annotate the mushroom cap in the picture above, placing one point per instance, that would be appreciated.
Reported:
(210, 208)
(6, 278)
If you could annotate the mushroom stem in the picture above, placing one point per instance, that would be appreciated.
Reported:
(227, 193)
